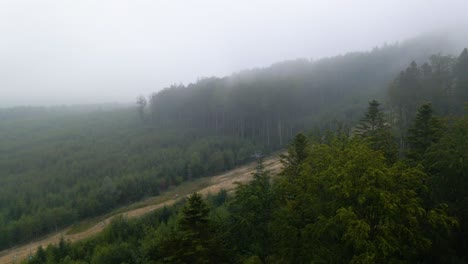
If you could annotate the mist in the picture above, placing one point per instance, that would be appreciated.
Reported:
(86, 52)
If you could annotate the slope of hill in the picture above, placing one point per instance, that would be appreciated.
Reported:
(54, 171)
(58, 168)
(205, 186)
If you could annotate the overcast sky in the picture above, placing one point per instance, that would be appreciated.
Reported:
(80, 51)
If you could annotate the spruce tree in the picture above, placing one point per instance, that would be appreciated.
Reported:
(425, 130)
(376, 132)
(297, 153)
(40, 257)
(372, 121)
(194, 215)
(252, 211)
(196, 240)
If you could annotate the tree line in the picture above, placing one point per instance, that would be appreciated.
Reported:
(272, 104)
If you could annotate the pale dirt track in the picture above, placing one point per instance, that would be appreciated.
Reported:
(225, 181)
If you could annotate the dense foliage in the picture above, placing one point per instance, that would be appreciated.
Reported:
(57, 167)
(441, 81)
(270, 105)
(337, 201)
(55, 171)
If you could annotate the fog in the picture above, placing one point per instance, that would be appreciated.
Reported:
(83, 52)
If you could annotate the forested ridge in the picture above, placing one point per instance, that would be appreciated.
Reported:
(338, 199)
(62, 168)
(271, 104)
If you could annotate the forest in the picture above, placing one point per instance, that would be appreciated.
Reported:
(341, 197)
(360, 185)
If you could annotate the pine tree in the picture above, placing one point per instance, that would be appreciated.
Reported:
(376, 132)
(195, 241)
(424, 131)
(447, 162)
(372, 121)
(297, 153)
(405, 94)
(40, 257)
(251, 212)
(194, 215)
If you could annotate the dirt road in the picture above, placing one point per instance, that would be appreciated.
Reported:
(213, 185)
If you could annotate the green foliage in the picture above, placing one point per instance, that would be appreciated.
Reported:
(345, 204)
(351, 207)
(194, 216)
(442, 80)
(375, 130)
(344, 200)
(39, 257)
(297, 152)
(446, 161)
(425, 130)
(114, 253)
(373, 120)
(194, 239)
(251, 212)
(57, 170)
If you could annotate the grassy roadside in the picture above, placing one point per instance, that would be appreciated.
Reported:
(181, 190)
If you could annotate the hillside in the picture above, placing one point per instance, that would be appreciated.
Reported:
(55, 171)
(210, 185)
(58, 167)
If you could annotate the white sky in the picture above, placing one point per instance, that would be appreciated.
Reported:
(90, 51)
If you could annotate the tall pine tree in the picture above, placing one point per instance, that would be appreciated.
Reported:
(297, 153)
(425, 130)
(374, 130)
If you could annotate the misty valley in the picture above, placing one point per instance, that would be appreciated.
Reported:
(359, 157)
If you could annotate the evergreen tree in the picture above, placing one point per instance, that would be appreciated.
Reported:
(376, 132)
(425, 130)
(373, 120)
(195, 240)
(195, 216)
(447, 161)
(297, 152)
(354, 208)
(40, 257)
(405, 94)
(251, 212)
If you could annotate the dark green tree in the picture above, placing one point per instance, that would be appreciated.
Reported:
(40, 256)
(405, 95)
(194, 218)
(376, 132)
(251, 212)
(424, 131)
(353, 208)
(297, 152)
(373, 120)
(195, 240)
(447, 162)
(118, 252)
